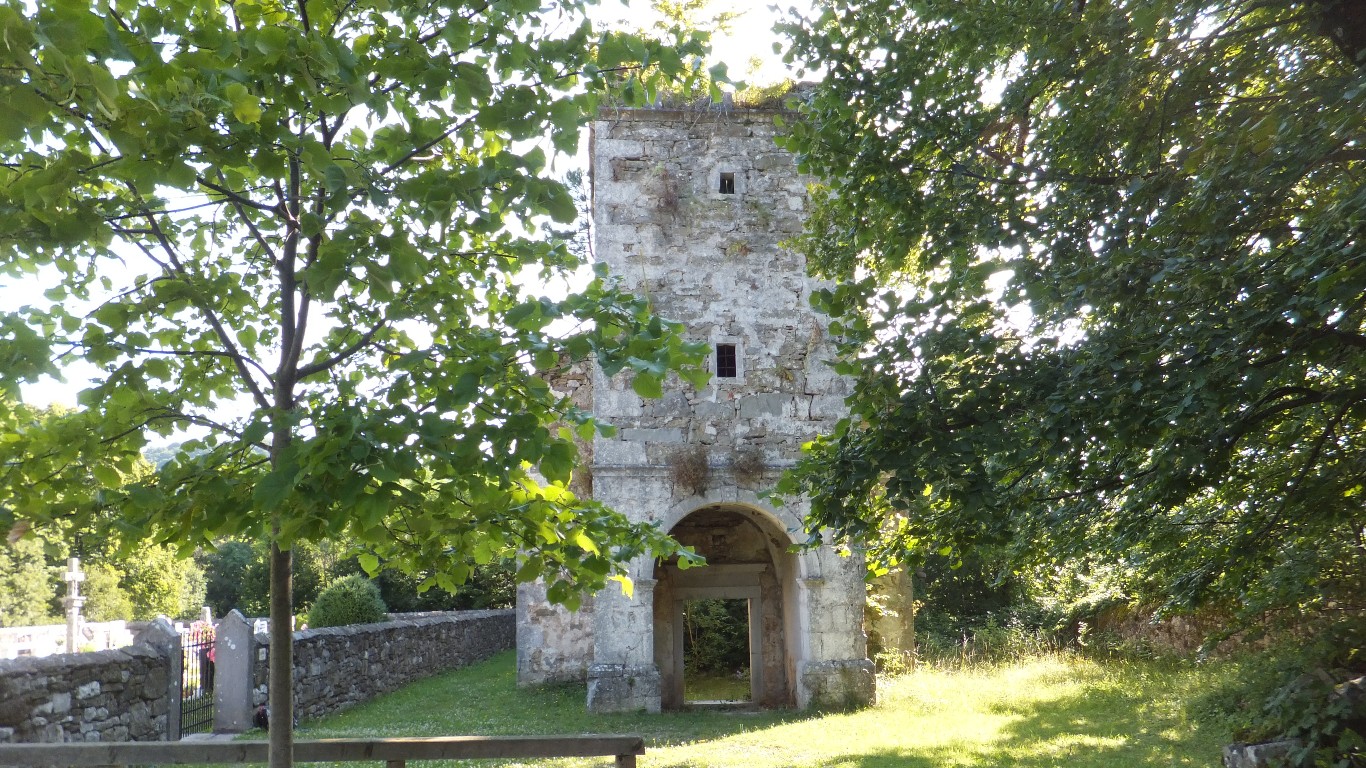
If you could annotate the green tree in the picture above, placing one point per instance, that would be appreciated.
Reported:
(300, 234)
(105, 597)
(1102, 282)
(488, 586)
(310, 573)
(161, 582)
(25, 584)
(145, 580)
(225, 573)
(688, 18)
(1121, 304)
(716, 636)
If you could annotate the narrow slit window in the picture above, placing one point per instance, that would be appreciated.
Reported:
(727, 366)
(727, 183)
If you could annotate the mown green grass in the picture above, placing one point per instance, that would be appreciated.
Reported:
(1049, 711)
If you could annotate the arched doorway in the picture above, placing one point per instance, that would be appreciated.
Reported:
(747, 559)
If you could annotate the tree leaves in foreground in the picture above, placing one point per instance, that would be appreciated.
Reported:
(1101, 278)
(1102, 281)
(299, 233)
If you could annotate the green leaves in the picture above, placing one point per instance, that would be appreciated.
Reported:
(647, 384)
(245, 106)
(1117, 239)
(301, 234)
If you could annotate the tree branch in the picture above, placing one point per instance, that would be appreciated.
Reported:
(238, 205)
(193, 353)
(219, 330)
(323, 365)
(234, 196)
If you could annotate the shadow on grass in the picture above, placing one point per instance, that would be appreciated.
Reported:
(1126, 720)
(1087, 716)
(484, 700)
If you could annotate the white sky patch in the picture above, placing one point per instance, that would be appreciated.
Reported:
(751, 38)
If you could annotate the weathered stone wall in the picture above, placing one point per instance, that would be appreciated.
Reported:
(574, 382)
(338, 667)
(691, 209)
(118, 695)
(890, 613)
(127, 694)
(713, 260)
(554, 644)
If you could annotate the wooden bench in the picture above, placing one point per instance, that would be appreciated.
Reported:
(395, 753)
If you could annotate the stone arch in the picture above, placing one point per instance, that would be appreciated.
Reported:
(782, 519)
(747, 554)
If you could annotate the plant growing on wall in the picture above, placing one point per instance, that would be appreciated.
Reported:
(748, 466)
(690, 468)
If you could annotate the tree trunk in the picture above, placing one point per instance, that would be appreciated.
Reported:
(281, 657)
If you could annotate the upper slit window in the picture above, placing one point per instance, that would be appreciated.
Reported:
(727, 365)
(727, 183)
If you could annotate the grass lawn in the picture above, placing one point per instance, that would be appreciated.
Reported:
(1050, 711)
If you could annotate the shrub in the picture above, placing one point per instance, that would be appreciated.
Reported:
(351, 599)
(1302, 689)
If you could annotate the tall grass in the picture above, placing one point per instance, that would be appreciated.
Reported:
(990, 644)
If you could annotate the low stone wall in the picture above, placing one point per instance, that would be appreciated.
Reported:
(338, 667)
(133, 693)
(117, 695)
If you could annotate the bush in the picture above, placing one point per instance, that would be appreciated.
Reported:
(1302, 690)
(351, 599)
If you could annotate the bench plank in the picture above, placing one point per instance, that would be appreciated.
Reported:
(395, 752)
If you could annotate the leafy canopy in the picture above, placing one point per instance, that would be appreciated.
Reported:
(1101, 279)
(295, 232)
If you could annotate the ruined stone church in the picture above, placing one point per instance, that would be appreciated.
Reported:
(690, 208)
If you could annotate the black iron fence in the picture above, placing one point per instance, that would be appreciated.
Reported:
(196, 678)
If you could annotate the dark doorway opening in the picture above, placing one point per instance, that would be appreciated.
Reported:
(716, 651)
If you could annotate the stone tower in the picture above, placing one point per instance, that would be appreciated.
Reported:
(690, 208)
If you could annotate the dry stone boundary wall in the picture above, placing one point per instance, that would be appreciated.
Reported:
(338, 667)
(133, 693)
(116, 695)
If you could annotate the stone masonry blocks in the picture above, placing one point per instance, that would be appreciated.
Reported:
(691, 209)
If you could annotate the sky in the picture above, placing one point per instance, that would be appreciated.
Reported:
(750, 37)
